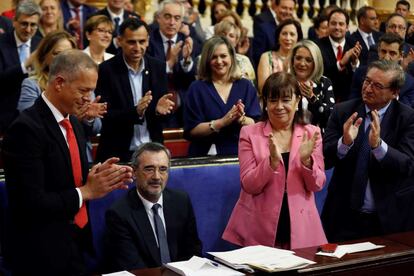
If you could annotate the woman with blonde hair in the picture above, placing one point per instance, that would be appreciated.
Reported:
(232, 33)
(98, 32)
(219, 103)
(51, 19)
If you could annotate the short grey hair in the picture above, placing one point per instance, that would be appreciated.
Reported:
(398, 79)
(28, 8)
(70, 64)
(152, 147)
(166, 2)
(316, 56)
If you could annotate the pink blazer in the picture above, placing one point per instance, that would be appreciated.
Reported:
(255, 217)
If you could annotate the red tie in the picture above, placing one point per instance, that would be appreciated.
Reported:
(81, 218)
(78, 30)
(339, 53)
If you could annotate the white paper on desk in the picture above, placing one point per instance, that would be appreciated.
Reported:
(197, 266)
(341, 250)
(120, 273)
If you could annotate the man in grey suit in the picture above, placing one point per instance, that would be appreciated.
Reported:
(152, 224)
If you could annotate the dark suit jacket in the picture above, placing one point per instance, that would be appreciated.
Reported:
(341, 80)
(391, 179)
(11, 77)
(406, 92)
(264, 39)
(42, 196)
(130, 239)
(87, 11)
(112, 49)
(118, 124)
(356, 36)
(6, 25)
(181, 79)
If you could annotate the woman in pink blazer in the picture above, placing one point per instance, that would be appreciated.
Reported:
(281, 165)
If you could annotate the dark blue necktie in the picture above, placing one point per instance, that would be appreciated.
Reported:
(359, 184)
(162, 238)
(116, 19)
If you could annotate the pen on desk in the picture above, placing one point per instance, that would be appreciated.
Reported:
(214, 263)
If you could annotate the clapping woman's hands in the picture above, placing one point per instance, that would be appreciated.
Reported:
(307, 147)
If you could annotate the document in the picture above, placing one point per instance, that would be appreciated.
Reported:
(197, 266)
(120, 273)
(261, 257)
(341, 250)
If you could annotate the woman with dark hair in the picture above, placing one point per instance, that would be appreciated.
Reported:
(288, 32)
(281, 166)
(219, 103)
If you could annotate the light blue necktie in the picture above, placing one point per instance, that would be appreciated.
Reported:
(23, 52)
(370, 41)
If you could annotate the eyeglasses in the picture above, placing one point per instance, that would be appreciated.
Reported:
(103, 31)
(374, 85)
(150, 170)
(25, 24)
(308, 60)
(398, 27)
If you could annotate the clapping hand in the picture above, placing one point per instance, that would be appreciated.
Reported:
(165, 104)
(307, 147)
(351, 128)
(306, 89)
(275, 155)
(144, 103)
(374, 134)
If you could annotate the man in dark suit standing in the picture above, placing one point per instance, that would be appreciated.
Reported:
(152, 225)
(135, 87)
(75, 13)
(115, 11)
(340, 56)
(15, 49)
(390, 48)
(366, 34)
(47, 176)
(265, 23)
(370, 142)
(173, 47)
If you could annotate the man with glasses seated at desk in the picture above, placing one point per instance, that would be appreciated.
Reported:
(370, 142)
(15, 49)
(151, 225)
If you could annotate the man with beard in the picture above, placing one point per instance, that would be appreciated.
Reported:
(152, 225)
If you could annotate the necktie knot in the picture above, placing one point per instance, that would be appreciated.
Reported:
(66, 124)
(155, 208)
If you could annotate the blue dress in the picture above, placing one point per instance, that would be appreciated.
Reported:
(203, 104)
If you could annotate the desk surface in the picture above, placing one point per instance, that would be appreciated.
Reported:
(396, 258)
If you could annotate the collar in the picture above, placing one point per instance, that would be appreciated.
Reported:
(113, 15)
(140, 68)
(381, 111)
(336, 44)
(56, 113)
(71, 6)
(165, 39)
(19, 42)
(364, 34)
(148, 204)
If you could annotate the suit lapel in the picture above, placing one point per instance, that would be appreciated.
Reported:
(169, 216)
(123, 76)
(13, 52)
(297, 135)
(53, 128)
(145, 77)
(140, 216)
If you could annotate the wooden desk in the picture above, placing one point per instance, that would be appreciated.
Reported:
(396, 258)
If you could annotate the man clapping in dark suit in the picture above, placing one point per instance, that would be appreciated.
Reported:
(152, 225)
(47, 177)
(370, 142)
(135, 87)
